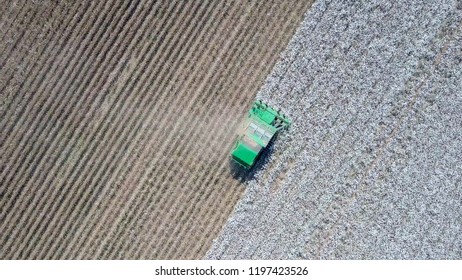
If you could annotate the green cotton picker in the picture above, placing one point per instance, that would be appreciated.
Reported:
(262, 123)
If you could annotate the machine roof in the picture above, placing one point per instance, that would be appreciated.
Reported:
(246, 151)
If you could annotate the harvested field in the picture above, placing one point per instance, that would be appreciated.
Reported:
(117, 118)
(372, 166)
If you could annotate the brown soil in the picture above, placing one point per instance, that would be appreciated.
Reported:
(117, 120)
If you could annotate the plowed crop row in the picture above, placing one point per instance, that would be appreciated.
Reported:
(117, 118)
